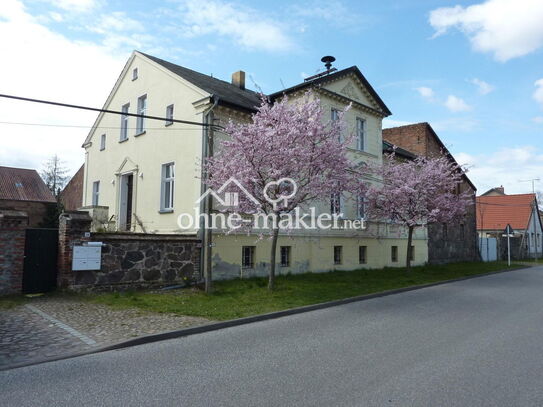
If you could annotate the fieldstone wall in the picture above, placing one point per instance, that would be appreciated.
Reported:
(134, 260)
(12, 250)
(128, 260)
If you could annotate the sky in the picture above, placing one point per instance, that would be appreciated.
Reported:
(472, 69)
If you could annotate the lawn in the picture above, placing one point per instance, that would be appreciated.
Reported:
(241, 298)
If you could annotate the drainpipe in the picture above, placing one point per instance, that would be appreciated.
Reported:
(206, 204)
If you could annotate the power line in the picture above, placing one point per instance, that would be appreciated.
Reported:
(95, 109)
(88, 127)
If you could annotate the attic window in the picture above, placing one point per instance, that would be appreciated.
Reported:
(19, 184)
(135, 74)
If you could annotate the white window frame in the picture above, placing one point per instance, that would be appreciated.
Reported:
(134, 74)
(248, 257)
(394, 254)
(285, 252)
(360, 134)
(334, 118)
(102, 142)
(142, 110)
(363, 259)
(167, 184)
(95, 193)
(361, 207)
(336, 204)
(339, 259)
(169, 115)
(124, 122)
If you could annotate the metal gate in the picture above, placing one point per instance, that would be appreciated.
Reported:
(40, 262)
(488, 247)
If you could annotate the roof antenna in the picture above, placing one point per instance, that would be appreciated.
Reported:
(328, 59)
(328, 64)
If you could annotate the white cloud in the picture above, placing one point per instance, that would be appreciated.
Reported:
(484, 88)
(538, 119)
(46, 65)
(504, 167)
(78, 6)
(246, 26)
(115, 21)
(505, 28)
(425, 92)
(538, 94)
(333, 12)
(456, 104)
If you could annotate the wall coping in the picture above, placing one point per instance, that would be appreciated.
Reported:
(143, 236)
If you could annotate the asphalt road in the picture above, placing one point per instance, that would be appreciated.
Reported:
(477, 342)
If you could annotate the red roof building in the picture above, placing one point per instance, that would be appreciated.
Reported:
(495, 212)
(23, 190)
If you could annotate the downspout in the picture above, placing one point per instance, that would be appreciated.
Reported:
(205, 238)
(86, 178)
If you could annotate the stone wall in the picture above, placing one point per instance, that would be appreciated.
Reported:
(129, 260)
(454, 242)
(12, 248)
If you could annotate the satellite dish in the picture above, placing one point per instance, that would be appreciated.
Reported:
(328, 61)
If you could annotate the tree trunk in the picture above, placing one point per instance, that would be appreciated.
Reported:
(409, 240)
(273, 255)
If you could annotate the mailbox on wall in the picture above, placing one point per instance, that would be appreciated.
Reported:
(87, 257)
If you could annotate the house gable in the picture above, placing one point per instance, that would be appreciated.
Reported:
(137, 59)
(350, 87)
(335, 83)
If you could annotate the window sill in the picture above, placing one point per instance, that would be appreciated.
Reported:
(102, 149)
(124, 140)
(165, 211)
(168, 124)
(140, 133)
(363, 152)
(284, 265)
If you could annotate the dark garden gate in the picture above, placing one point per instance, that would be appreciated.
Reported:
(40, 261)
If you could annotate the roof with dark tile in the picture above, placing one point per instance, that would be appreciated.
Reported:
(391, 148)
(21, 184)
(227, 93)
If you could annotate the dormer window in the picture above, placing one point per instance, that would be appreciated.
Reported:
(134, 74)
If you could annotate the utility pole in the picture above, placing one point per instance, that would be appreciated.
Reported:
(535, 212)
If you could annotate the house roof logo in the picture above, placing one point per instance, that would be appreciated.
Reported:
(231, 199)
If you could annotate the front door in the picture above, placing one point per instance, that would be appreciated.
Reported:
(125, 209)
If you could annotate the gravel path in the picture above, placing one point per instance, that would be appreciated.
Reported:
(49, 327)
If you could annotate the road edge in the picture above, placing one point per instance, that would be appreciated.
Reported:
(215, 326)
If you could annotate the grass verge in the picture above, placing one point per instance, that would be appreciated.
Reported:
(241, 298)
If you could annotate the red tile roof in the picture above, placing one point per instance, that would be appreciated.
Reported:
(20, 184)
(495, 212)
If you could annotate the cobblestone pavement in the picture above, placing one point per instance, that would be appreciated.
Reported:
(48, 327)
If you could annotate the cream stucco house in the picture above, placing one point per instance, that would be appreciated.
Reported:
(141, 174)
